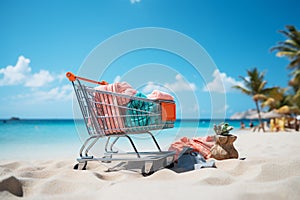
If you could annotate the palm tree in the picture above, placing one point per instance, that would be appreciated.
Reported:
(280, 100)
(290, 47)
(254, 85)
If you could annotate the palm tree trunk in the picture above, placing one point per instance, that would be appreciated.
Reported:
(259, 116)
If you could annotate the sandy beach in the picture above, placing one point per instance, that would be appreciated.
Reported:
(271, 170)
(144, 92)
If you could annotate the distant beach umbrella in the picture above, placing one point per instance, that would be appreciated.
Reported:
(252, 114)
(272, 114)
(249, 114)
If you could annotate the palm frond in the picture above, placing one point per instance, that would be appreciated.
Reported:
(296, 74)
(261, 86)
(295, 63)
(243, 90)
(294, 32)
(289, 48)
(288, 54)
(268, 91)
(246, 81)
(290, 44)
(297, 95)
(291, 33)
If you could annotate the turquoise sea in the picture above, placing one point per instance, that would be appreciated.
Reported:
(50, 139)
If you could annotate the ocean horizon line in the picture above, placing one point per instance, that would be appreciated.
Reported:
(69, 119)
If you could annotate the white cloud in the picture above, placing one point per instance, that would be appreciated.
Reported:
(13, 75)
(152, 86)
(180, 85)
(61, 76)
(39, 79)
(221, 83)
(223, 109)
(58, 93)
(134, 1)
(21, 74)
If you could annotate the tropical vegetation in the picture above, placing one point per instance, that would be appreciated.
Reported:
(283, 100)
(290, 48)
(255, 86)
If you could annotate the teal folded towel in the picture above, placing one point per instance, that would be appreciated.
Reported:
(140, 113)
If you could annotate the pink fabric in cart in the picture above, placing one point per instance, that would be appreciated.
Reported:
(201, 145)
(121, 88)
(109, 124)
(113, 122)
(156, 94)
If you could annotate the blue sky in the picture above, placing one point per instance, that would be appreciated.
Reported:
(42, 40)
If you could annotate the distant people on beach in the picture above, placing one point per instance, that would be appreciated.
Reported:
(277, 124)
(251, 125)
(242, 125)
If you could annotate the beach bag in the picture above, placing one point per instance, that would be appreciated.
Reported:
(224, 148)
(189, 160)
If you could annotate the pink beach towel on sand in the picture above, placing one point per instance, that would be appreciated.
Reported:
(201, 145)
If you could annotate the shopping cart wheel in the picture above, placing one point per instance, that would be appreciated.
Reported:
(147, 170)
(169, 163)
(147, 173)
(80, 166)
(170, 166)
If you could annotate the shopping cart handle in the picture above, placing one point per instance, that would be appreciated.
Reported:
(72, 78)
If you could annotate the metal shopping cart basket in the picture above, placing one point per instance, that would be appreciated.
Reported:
(108, 115)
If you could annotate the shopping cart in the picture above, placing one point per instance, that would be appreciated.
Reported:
(111, 115)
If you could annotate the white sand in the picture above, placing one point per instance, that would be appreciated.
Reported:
(271, 171)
